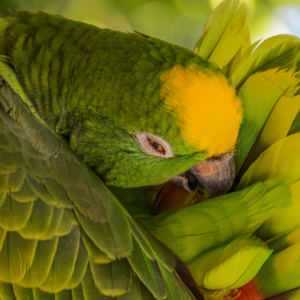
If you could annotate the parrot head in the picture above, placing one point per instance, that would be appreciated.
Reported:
(184, 131)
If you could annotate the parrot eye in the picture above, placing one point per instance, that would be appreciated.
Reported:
(154, 145)
(157, 146)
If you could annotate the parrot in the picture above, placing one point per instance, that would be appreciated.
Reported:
(90, 118)
(94, 121)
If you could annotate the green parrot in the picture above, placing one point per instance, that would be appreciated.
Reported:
(91, 118)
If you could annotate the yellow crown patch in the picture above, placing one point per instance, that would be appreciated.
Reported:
(209, 112)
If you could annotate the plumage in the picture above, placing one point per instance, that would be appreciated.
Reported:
(210, 224)
(225, 34)
(76, 220)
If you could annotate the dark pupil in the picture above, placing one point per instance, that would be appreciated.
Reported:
(155, 145)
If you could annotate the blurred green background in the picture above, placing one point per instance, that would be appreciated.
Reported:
(176, 21)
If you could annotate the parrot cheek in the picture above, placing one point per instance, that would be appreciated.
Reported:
(216, 174)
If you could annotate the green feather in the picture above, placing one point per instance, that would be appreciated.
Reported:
(14, 215)
(63, 262)
(95, 254)
(268, 100)
(148, 271)
(281, 51)
(276, 161)
(231, 266)
(80, 266)
(6, 291)
(112, 279)
(280, 273)
(226, 33)
(214, 223)
(22, 293)
(41, 264)
(16, 257)
(284, 221)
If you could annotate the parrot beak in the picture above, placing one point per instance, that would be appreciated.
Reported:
(216, 174)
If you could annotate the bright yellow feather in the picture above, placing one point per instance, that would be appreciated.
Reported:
(208, 111)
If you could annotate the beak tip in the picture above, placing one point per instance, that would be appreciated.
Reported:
(216, 174)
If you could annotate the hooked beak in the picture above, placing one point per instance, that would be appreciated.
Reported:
(216, 174)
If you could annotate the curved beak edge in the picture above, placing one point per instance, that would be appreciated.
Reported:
(216, 174)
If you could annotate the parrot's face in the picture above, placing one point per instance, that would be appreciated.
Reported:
(195, 115)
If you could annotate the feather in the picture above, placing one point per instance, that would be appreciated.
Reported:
(281, 51)
(63, 262)
(225, 33)
(16, 257)
(283, 241)
(268, 100)
(284, 221)
(276, 161)
(231, 266)
(7, 292)
(280, 273)
(210, 224)
(41, 264)
(148, 271)
(114, 278)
